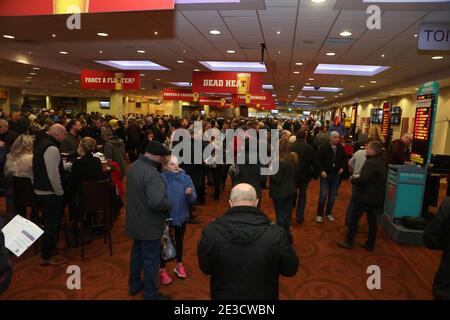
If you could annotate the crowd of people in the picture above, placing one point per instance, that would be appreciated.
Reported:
(58, 152)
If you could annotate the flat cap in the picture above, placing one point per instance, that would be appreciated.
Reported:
(156, 148)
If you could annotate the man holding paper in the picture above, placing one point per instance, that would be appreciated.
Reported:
(48, 173)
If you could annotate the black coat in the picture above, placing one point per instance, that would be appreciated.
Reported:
(306, 163)
(326, 161)
(86, 168)
(370, 186)
(437, 237)
(245, 253)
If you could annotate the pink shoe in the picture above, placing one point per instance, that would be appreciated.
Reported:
(180, 272)
(165, 279)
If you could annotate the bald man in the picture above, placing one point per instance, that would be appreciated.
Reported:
(48, 174)
(245, 252)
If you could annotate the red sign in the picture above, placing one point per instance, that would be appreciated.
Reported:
(227, 82)
(110, 80)
(178, 95)
(264, 99)
(49, 7)
(386, 122)
(215, 101)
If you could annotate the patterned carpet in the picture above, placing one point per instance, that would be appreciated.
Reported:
(326, 271)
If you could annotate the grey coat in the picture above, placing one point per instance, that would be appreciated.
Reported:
(147, 207)
(114, 149)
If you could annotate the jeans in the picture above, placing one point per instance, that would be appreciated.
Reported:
(51, 214)
(178, 240)
(301, 202)
(283, 211)
(145, 256)
(358, 210)
(328, 190)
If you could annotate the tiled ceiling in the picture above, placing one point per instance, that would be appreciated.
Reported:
(306, 32)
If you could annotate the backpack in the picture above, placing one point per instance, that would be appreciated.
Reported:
(5, 265)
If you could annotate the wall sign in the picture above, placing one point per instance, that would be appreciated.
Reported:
(434, 36)
(178, 95)
(227, 82)
(110, 80)
(386, 120)
(264, 99)
(424, 123)
(50, 7)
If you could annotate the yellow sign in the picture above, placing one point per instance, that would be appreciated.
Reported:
(70, 6)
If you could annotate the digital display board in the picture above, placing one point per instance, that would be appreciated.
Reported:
(422, 125)
(386, 120)
(396, 116)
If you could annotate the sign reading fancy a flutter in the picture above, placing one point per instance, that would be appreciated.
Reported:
(227, 82)
(110, 80)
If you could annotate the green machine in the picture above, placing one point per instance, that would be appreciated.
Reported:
(405, 187)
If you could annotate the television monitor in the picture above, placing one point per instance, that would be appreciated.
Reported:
(104, 104)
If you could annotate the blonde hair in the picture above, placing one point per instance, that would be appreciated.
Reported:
(22, 145)
(87, 144)
(375, 134)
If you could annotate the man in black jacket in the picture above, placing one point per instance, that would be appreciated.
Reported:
(245, 252)
(331, 162)
(368, 196)
(437, 237)
(305, 171)
(147, 208)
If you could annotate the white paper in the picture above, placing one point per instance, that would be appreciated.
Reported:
(20, 234)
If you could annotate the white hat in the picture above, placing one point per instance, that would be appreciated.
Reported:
(334, 134)
(318, 124)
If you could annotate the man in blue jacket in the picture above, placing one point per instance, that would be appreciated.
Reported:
(146, 212)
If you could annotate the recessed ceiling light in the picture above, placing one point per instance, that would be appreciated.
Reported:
(361, 86)
(296, 72)
(331, 54)
(214, 32)
(69, 82)
(158, 79)
(196, 70)
(437, 57)
(142, 74)
(63, 52)
(318, 1)
(336, 96)
(373, 81)
(140, 51)
(54, 35)
(8, 36)
(182, 84)
(267, 86)
(341, 94)
(155, 33)
(102, 34)
(180, 61)
(279, 52)
(33, 73)
(292, 86)
(311, 79)
(345, 33)
(416, 35)
(231, 51)
(143, 88)
(132, 65)
(76, 80)
(322, 89)
(278, 32)
(234, 66)
(29, 77)
(349, 69)
(383, 55)
(36, 68)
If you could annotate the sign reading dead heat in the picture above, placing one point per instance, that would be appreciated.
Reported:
(110, 80)
(227, 82)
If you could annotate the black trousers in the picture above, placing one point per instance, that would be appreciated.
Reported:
(217, 179)
(51, 212)
(178, 238)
